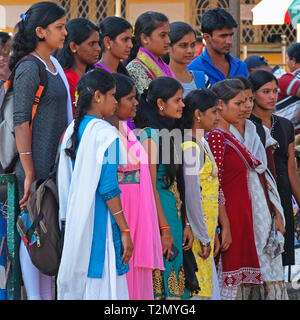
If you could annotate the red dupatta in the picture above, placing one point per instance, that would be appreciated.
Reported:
(250, 161)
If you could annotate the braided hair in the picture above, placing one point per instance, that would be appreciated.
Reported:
(89, 83)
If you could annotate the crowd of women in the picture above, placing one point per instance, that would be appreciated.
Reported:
(169, 188)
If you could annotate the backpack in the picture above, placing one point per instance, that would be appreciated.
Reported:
(39, 228)
(8, 148)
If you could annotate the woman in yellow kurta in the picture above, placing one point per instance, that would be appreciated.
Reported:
(202, 186)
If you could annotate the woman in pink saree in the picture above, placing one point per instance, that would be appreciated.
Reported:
(137, 197)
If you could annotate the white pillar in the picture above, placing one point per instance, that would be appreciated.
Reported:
(3, 17)
(118, 8)
(298, 32)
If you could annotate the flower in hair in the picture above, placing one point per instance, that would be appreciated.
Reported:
(23, 16)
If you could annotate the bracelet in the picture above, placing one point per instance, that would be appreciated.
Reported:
(25, 153)
(126, 230)
(164, 227)
(114, 214)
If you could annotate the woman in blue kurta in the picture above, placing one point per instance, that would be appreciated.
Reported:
(97, 242)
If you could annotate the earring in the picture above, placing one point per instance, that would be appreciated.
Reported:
(198, 119)
(145, 42)
(108, 48)
(74, 51)
(161, 108)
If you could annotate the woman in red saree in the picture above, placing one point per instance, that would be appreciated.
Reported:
(239, 264)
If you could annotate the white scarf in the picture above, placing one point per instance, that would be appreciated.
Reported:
(77, 188)
(252, 142)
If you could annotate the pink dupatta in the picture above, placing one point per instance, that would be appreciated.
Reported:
(144, 226)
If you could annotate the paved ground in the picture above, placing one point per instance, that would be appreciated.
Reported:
(294, 286)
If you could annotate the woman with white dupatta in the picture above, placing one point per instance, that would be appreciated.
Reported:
(97, 241)
(271, 268)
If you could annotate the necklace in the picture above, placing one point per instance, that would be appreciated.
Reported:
(48, 63)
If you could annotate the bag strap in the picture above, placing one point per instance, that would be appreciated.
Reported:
(42, 85)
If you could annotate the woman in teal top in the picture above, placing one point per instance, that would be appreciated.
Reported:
(161, 108)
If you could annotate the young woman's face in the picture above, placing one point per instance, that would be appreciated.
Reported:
(173, 107)
(266, 96)
(247, 107)
(54, 34)
(108, 104)
(127, 106)
(209, 119)
(88, 51)
(231, 111)
(159, 41)
(183, 51)
(121, 46)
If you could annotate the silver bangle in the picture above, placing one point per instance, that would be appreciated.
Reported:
(114, 214)
(25, 153)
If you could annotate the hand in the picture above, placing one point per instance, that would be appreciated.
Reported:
(188, 238)
(217, 245)
(29, 179)
(226, 238)
(128, 247)
(279, 225)
(205, 252)
(167, 241)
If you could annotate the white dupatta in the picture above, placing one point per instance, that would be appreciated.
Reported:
(252, 142)
(64, 78)
(77, 188)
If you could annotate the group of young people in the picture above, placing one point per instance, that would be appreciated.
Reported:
(175, 178)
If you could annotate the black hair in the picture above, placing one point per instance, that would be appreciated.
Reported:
(4, 37)
(89, 83)
(259, 78)
(293, 52)
(124, 85)
(146, 23)
(41, 14)
(148, 116)
(216, 19)
(202, 99)
(246, 82)
(161, 88)
(227, 89)
(178, 30)
(79, 30)
(111, 27)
